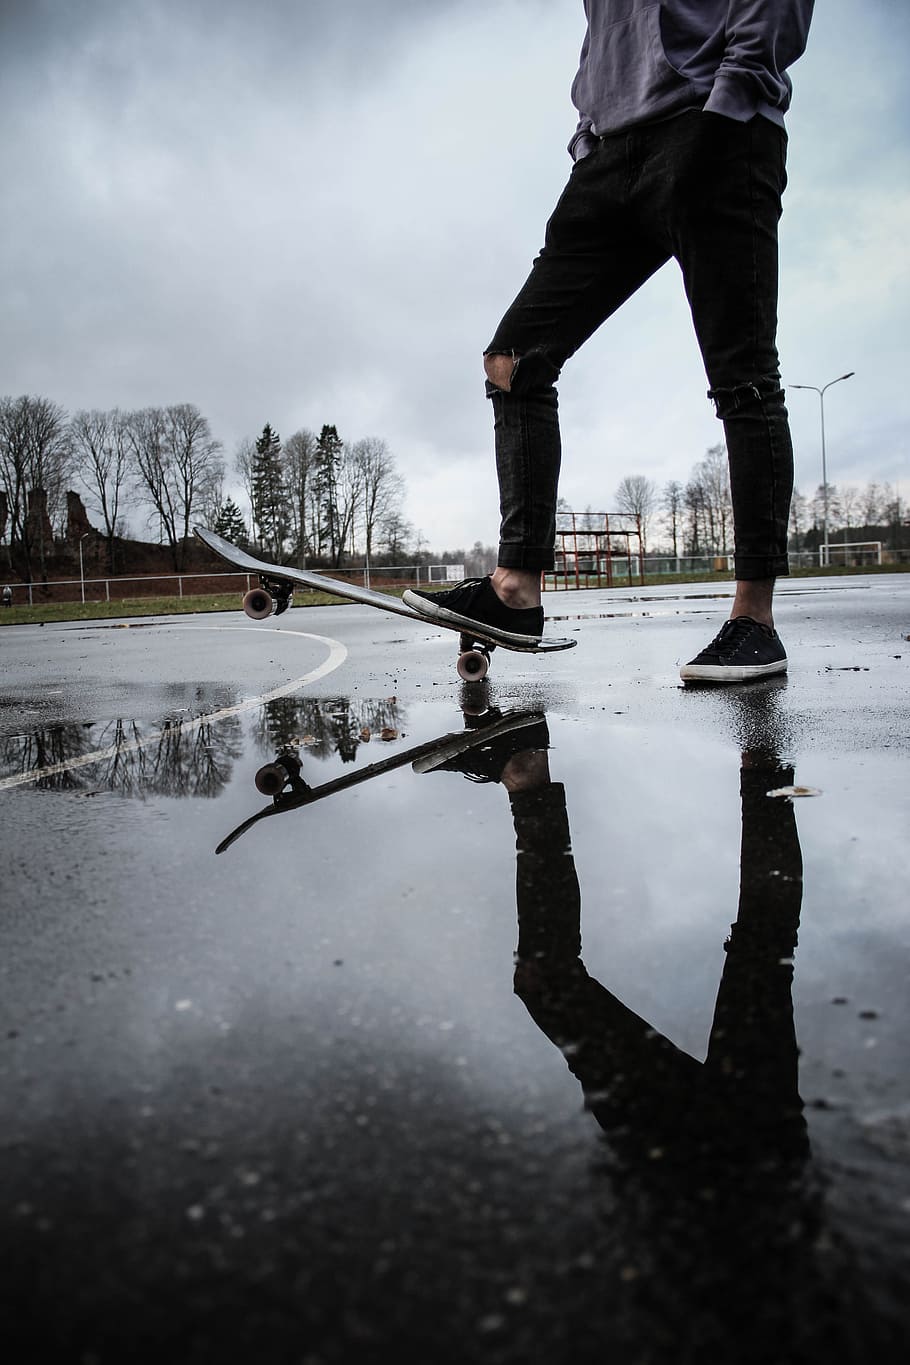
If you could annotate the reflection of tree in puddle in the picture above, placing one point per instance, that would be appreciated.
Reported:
(326, 726)
(45, 748)
(178, 758)
(185, 761)
(188, 757)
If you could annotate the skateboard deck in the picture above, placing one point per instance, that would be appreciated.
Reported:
(282, 778)
(277, 583)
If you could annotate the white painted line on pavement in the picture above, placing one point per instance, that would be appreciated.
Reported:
(337, 655)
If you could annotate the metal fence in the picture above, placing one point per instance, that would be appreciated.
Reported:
(625, 570)
(116, 589)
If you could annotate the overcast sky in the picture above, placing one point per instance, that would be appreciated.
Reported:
(309, 211)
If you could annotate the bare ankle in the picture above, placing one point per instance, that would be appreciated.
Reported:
(753, 598)
(517, 587)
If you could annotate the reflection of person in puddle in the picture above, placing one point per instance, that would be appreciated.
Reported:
(712, 1218)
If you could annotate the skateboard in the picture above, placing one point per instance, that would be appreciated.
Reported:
(282, 779)
(277, 583)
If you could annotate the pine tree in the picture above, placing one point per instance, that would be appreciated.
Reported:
(329, 454)
(269, 495)
(230, 524)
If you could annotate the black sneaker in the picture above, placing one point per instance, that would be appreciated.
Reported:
(486, 746)
(742, 650)
(474, 605)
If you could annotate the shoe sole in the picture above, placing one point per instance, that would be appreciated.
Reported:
(431, 612)
(730, 673)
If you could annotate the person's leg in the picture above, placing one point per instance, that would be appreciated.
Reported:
(638, 1085)
(720, 208)
(593, 259)
(752, 1057)
(725, 221)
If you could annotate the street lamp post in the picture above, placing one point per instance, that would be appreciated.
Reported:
(821, 404)
(81, 571)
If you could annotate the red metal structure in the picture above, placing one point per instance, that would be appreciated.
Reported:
(588, 544)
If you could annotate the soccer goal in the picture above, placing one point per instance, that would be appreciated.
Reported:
(855, 553)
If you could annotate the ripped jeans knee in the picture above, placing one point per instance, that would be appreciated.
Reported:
(527, 373)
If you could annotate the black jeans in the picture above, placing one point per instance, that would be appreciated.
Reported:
(707, 191)
(643, 1090)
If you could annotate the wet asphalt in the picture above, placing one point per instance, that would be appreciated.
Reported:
(580, 1040)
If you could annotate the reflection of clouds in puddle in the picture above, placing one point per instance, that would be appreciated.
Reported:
(856, 838)
(653, 818)
(655, 821)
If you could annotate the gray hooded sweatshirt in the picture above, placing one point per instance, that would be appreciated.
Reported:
(642, 62)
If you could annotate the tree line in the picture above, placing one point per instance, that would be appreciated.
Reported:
(318, 499)
(163, 461)
(312, 498)
(695, 518)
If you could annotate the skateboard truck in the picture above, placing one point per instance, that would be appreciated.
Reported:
(272, 596)
(272, 778)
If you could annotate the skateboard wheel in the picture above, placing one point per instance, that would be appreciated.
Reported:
(473, 665)
(271, 779)
(258, 604)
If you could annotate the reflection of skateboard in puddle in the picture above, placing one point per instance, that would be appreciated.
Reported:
(282, 778)
(277, 583)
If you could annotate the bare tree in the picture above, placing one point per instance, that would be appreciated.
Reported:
(211, 497)
(176, 463)
(382, 487)
(712, 474)
(299, 453)
(872, 504)
(14, 471)
(637, 495)
(348, 502)
(101, 456)
(395, 534)
(799, 515)
(148, 463)
(824, 505)
(244, 458)
(196, 462)
(694, 502)
(673, 508)
(34, 463)
(892, 514)
(850, 503)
